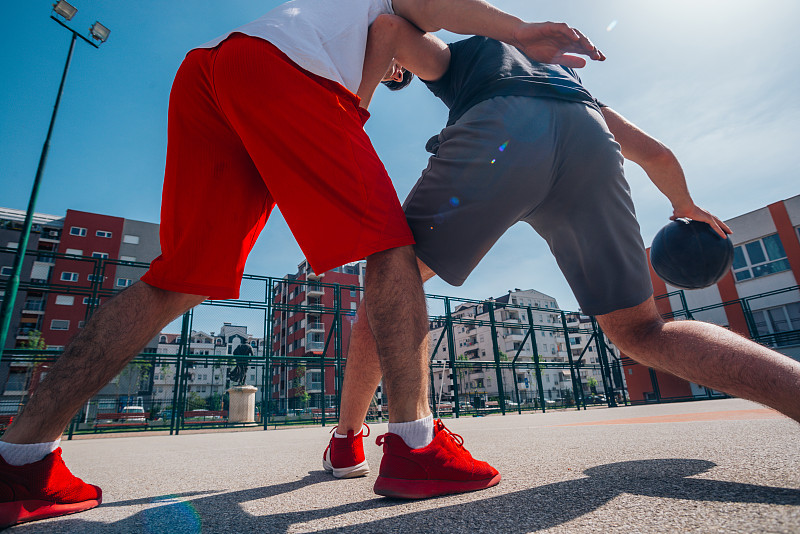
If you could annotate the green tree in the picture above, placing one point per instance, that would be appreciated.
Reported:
(592, 382)
(299, 386)
(195, 401)
(214, 402)
(35, 341)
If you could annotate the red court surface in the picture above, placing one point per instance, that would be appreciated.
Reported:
(729, 415)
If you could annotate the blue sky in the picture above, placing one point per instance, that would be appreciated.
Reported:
(715, 80)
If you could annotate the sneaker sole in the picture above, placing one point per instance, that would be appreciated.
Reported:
(360, 470)
(14, 513)
(399, 488)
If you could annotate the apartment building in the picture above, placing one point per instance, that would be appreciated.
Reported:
(477, 376)
(69, 286)
(43, 241)
(207, 377)
(761, 288)
(306, 305)
(95, 236)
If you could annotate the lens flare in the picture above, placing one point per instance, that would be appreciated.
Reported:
(172, 514)
(454, 201)
(611, 26)
(503, 146)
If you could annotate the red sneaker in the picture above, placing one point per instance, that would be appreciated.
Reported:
(442, 467)
(42, 489)
(344, 457)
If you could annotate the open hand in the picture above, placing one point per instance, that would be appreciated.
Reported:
(699, 214)
(555, 42)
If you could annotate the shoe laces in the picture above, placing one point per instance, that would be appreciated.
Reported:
(364, 425)
(456, 438)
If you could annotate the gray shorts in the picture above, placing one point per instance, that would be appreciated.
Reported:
(550, 163)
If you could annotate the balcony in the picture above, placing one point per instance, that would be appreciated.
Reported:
(315, 327)
(314, 290)
(315, 345)
(24, 331)
(33, 306)
(314, 303)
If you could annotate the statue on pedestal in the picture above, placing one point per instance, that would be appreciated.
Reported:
(238, 374)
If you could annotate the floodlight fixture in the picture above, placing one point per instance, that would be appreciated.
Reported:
(65, 9)
(99, 32)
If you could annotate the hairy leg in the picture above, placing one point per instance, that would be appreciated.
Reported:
(707, 354)
(363, 372)
(115, 334)
(362, 375)
(397, 315)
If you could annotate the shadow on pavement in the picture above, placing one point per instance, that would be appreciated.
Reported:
(518, 512)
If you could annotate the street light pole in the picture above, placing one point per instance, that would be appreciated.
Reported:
(12, 287)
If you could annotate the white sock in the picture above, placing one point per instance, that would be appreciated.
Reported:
(26, 453)
(337, 435)
(416, 434)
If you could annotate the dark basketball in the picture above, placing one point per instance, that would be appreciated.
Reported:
(690, 255)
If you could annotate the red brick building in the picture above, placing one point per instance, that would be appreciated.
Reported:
(302, 324)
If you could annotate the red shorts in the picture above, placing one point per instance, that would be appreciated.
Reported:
(249, 129)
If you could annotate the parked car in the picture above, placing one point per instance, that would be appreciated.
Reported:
(134, 410)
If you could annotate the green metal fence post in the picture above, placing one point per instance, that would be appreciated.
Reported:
(267, 400)
(654, 383)
(451, 348)
(435, 403)
(577, 387)
(600, 346)
(265, 376)
(338, 348)
(496, 348)
(536, 365)
(684, 305)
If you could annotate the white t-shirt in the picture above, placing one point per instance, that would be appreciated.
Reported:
(326, 37)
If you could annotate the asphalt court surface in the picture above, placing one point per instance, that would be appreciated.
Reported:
(709, 466)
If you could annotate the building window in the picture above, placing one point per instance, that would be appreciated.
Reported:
(78, 231)
(101, 255)
(65, 300)
(94, 278)
(69, 277)
(130, 239)
(124, 282)
(75, 252)
(95, 301)
(759, 258)
(102, 233)
(778, 319)
(127, 258)
(17, 381)
(13, 245)
(6, 271)
(59, 324)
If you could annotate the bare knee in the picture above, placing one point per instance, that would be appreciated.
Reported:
(633, 329)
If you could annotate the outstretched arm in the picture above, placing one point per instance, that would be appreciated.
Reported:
(662, 167)
(394, 38)
(546, 42)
